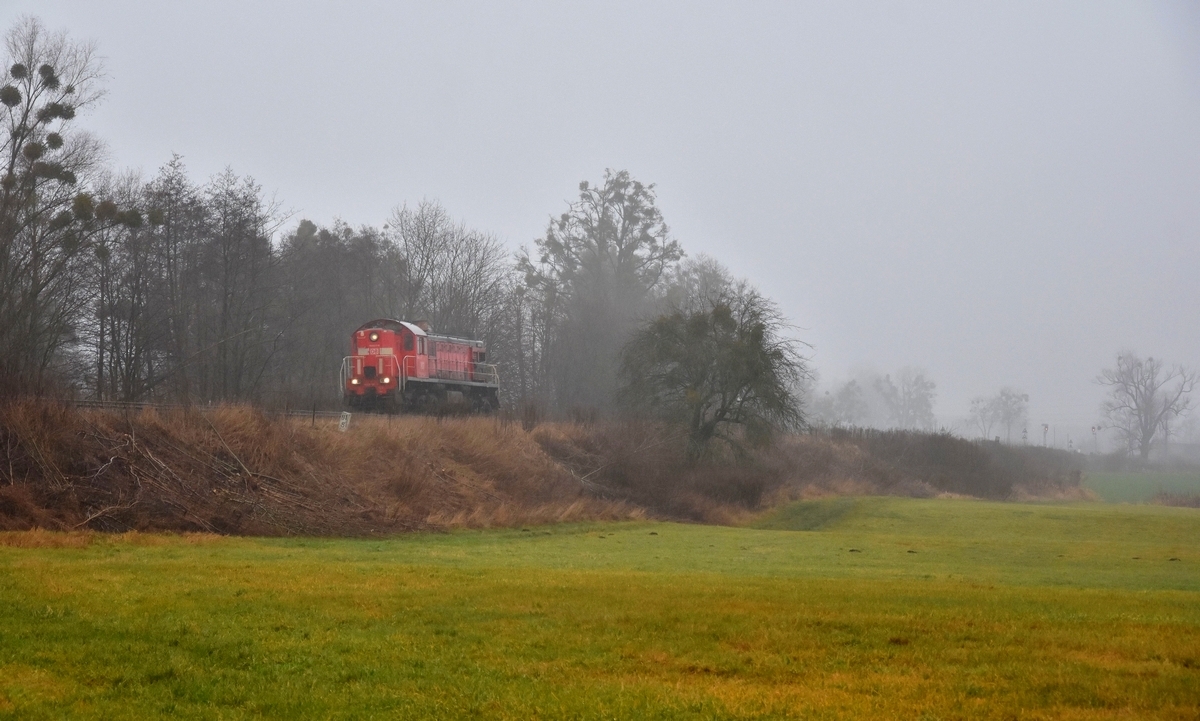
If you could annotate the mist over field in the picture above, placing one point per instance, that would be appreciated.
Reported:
(610, 360)
(996, 197)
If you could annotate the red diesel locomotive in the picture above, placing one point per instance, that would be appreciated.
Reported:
(396, 365)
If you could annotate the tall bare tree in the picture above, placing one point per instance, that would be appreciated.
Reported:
(178, 223)
(909, 398)
(129, 333)
(984, 414)
(599, 263)
(46, 220)
(1145, 396)
(1007, 408)
(237, 261)
(452, 275)
(1012, 410)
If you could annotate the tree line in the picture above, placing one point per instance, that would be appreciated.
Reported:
(117, 287)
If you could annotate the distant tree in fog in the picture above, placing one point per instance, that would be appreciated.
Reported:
(1189, 429)
(1007, 408)
(845, 406)
(1145, 398)
(984, 414)
(594, 273)
(1012, 410)
(909, 398)
(720, 364)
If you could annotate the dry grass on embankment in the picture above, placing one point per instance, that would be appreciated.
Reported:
(238, 470)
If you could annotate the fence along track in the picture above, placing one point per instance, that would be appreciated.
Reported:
(124, 406)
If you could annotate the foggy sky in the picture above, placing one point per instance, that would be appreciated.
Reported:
(1000, 193)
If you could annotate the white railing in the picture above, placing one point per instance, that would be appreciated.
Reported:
(469, 372)
(455, 370)
(487, 373)
(350, 364)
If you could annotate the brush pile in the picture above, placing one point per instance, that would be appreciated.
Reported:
(236, 470)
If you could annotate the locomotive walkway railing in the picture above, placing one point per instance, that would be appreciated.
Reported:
(446, 370)
(466, 371)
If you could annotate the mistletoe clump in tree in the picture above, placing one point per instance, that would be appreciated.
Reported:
(47, 219)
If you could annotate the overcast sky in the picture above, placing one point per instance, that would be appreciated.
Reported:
(1001, 193)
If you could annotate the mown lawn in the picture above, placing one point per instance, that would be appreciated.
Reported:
(874, 608)
(1140, 486)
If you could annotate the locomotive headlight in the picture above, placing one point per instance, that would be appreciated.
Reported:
(353, 381)
(385, 380)
(374, 337)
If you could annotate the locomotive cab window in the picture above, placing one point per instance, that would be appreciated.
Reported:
(408, 342)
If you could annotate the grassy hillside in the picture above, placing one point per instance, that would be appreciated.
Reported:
(1141, 486)
(873, 608)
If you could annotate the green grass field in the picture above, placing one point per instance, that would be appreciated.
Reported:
(1140, 487)
(867, 608)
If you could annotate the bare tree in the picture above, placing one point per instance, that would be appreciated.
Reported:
(845, 406)
(909, 398)
(1145, 398)
(46, 221)
(1007, 408)
(528, 323)
(452, 275)
(984, 415)
(1012, 410)
(178, 221)
(128, 335)
(420, 238)
(599, 264)
(232, 321)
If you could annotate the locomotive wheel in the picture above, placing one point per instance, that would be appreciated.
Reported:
(428, 403)
(486, 403)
